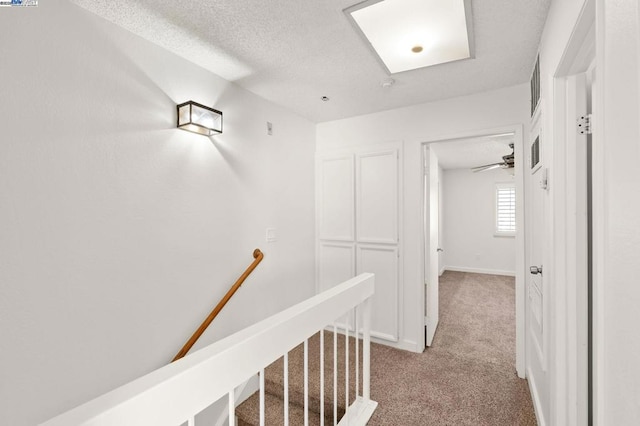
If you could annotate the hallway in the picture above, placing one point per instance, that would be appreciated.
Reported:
(468, 376)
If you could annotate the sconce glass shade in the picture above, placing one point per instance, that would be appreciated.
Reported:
(198, 118)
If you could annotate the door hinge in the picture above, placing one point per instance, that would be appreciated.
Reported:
(584, 124)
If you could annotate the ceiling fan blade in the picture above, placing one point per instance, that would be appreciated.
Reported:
(485, 166)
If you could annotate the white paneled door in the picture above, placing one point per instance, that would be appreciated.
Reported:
(358, 205)
(383, 262)
(335, 203)
(377, 192)
(536, 285)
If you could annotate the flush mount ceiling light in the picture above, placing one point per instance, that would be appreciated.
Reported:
(410, 34)
(198, 118)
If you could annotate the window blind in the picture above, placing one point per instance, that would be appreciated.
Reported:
(506, 209)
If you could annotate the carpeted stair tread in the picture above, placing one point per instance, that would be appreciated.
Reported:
(248, 413)
(274, 377)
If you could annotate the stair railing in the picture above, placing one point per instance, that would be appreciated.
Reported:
(257, 256)
(175, 393)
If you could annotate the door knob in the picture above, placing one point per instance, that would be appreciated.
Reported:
(535, 270)
(439, 249)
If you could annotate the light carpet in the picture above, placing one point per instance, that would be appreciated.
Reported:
(468, 376)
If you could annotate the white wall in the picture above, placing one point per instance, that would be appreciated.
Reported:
(469, 230)
(457, 117)
(118, 232)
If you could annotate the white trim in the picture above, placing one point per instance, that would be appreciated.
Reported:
(568, 238)
(405, 345)
(537, 405)
(480, 271)
(599, 222)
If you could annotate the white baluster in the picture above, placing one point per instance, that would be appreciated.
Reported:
(321, 377)
(306, 382)
(346, 366)
(366, 349)
(232, 407)
(262, 397)
(357, 312)
(335, 375)
(286, 389)
(191, 421)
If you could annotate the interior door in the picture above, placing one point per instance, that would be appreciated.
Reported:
(537, 292)
(335, 195)
(377, 235)
(431, 238)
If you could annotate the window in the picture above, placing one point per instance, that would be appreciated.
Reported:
(505, 209)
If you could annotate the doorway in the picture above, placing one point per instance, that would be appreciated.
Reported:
(576, 80)
(492, 248)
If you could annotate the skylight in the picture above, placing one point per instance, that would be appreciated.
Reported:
(410, 34)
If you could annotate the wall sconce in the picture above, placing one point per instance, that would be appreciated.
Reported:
(197, 118)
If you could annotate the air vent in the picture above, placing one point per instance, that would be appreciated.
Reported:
(535, 153)
(535, 86)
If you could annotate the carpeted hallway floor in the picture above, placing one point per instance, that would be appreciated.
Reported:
(468, 376)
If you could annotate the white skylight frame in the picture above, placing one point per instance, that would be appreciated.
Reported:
(415, 30)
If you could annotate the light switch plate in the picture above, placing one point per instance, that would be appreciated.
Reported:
(271, 235)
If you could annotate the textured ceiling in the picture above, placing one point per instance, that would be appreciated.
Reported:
(293, 52)
(472, 152)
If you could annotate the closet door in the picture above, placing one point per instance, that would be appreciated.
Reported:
(336, 255)
(377, 197)
(336, 263)
(383, 262)
(357, 195)
(377, 212)
(335, 190)
(336, 198)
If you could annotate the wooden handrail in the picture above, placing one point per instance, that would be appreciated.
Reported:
(257, 256)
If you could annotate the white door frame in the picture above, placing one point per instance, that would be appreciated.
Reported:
(431, 247)
(517, 130)
(567, 379)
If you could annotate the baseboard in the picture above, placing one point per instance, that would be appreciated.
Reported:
(444, 268)
(405, 345)
(480, 271)
(535, 397)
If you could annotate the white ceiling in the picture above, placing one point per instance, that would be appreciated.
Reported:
(293, 52)
(472, 152)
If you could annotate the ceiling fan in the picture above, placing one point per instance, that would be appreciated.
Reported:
(508, 162)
